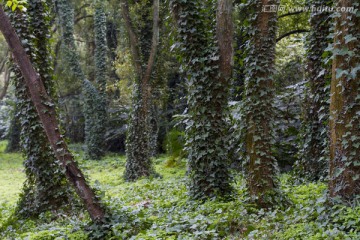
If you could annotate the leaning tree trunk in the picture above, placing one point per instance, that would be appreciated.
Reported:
(45, 187)
(47, 113)
(258, 105)
(345, 105)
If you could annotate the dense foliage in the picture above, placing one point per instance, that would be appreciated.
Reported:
(206, 119)
(161, 209)
(45, 187)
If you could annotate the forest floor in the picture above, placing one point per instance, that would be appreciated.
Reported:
(159, 208)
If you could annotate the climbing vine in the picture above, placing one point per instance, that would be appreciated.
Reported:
(314, 159)
(144, 40)
(258, 105)
(345, 104)
(207, 115)
(94, 106)
(46, 187)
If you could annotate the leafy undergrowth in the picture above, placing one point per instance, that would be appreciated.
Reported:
(159, 208)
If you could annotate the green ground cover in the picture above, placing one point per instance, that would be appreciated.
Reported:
(159, 208)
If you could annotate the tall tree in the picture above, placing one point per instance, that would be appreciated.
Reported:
(94, 106)
(315, 153)
(45, 187)
(143, 51)
(345, 103)
(206, 46)
(100, 71)
(258, 103)
(46, 111)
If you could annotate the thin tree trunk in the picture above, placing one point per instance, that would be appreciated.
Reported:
(45, 108)
(6, 83)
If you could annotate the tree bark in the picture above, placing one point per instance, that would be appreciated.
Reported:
(138, 161)
(259, 93)
(6, 83)
(46, 110)
(345, 106)
(225, 35)
(314, 154)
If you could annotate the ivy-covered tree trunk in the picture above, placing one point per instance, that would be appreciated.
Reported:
(209, 71)
(138, 142)
(48, 117)
(258, 104)
(14, 132)
(315, 153)
(345, 104)
(94, 102)
(45, 187)
(100, 74)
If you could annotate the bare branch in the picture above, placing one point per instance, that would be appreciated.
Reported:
(291, 33)
(290, 14)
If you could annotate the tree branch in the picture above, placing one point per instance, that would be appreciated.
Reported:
(155, 43)
(134, 42)
(291, 33)
(76, 21)
(290, 14)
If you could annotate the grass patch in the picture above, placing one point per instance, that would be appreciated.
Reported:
(11, 175)
(159, 208)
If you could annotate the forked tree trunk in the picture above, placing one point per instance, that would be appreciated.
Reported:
(46, 110)
(138, 144)
(345, 105)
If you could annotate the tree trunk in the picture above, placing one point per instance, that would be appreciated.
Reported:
(345, 105)
(138, 143)
(208, 61)
(315, 154)
(6, 83)
(46, 110)
(258, 105)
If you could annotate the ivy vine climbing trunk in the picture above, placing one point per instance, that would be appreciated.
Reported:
(100, 72)
(258, 104)
(14, 132)
(345, 104)
(206, 47)
(315, 153)
(94, 103)
(46, 111)
(138, 148)
(45, 187)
